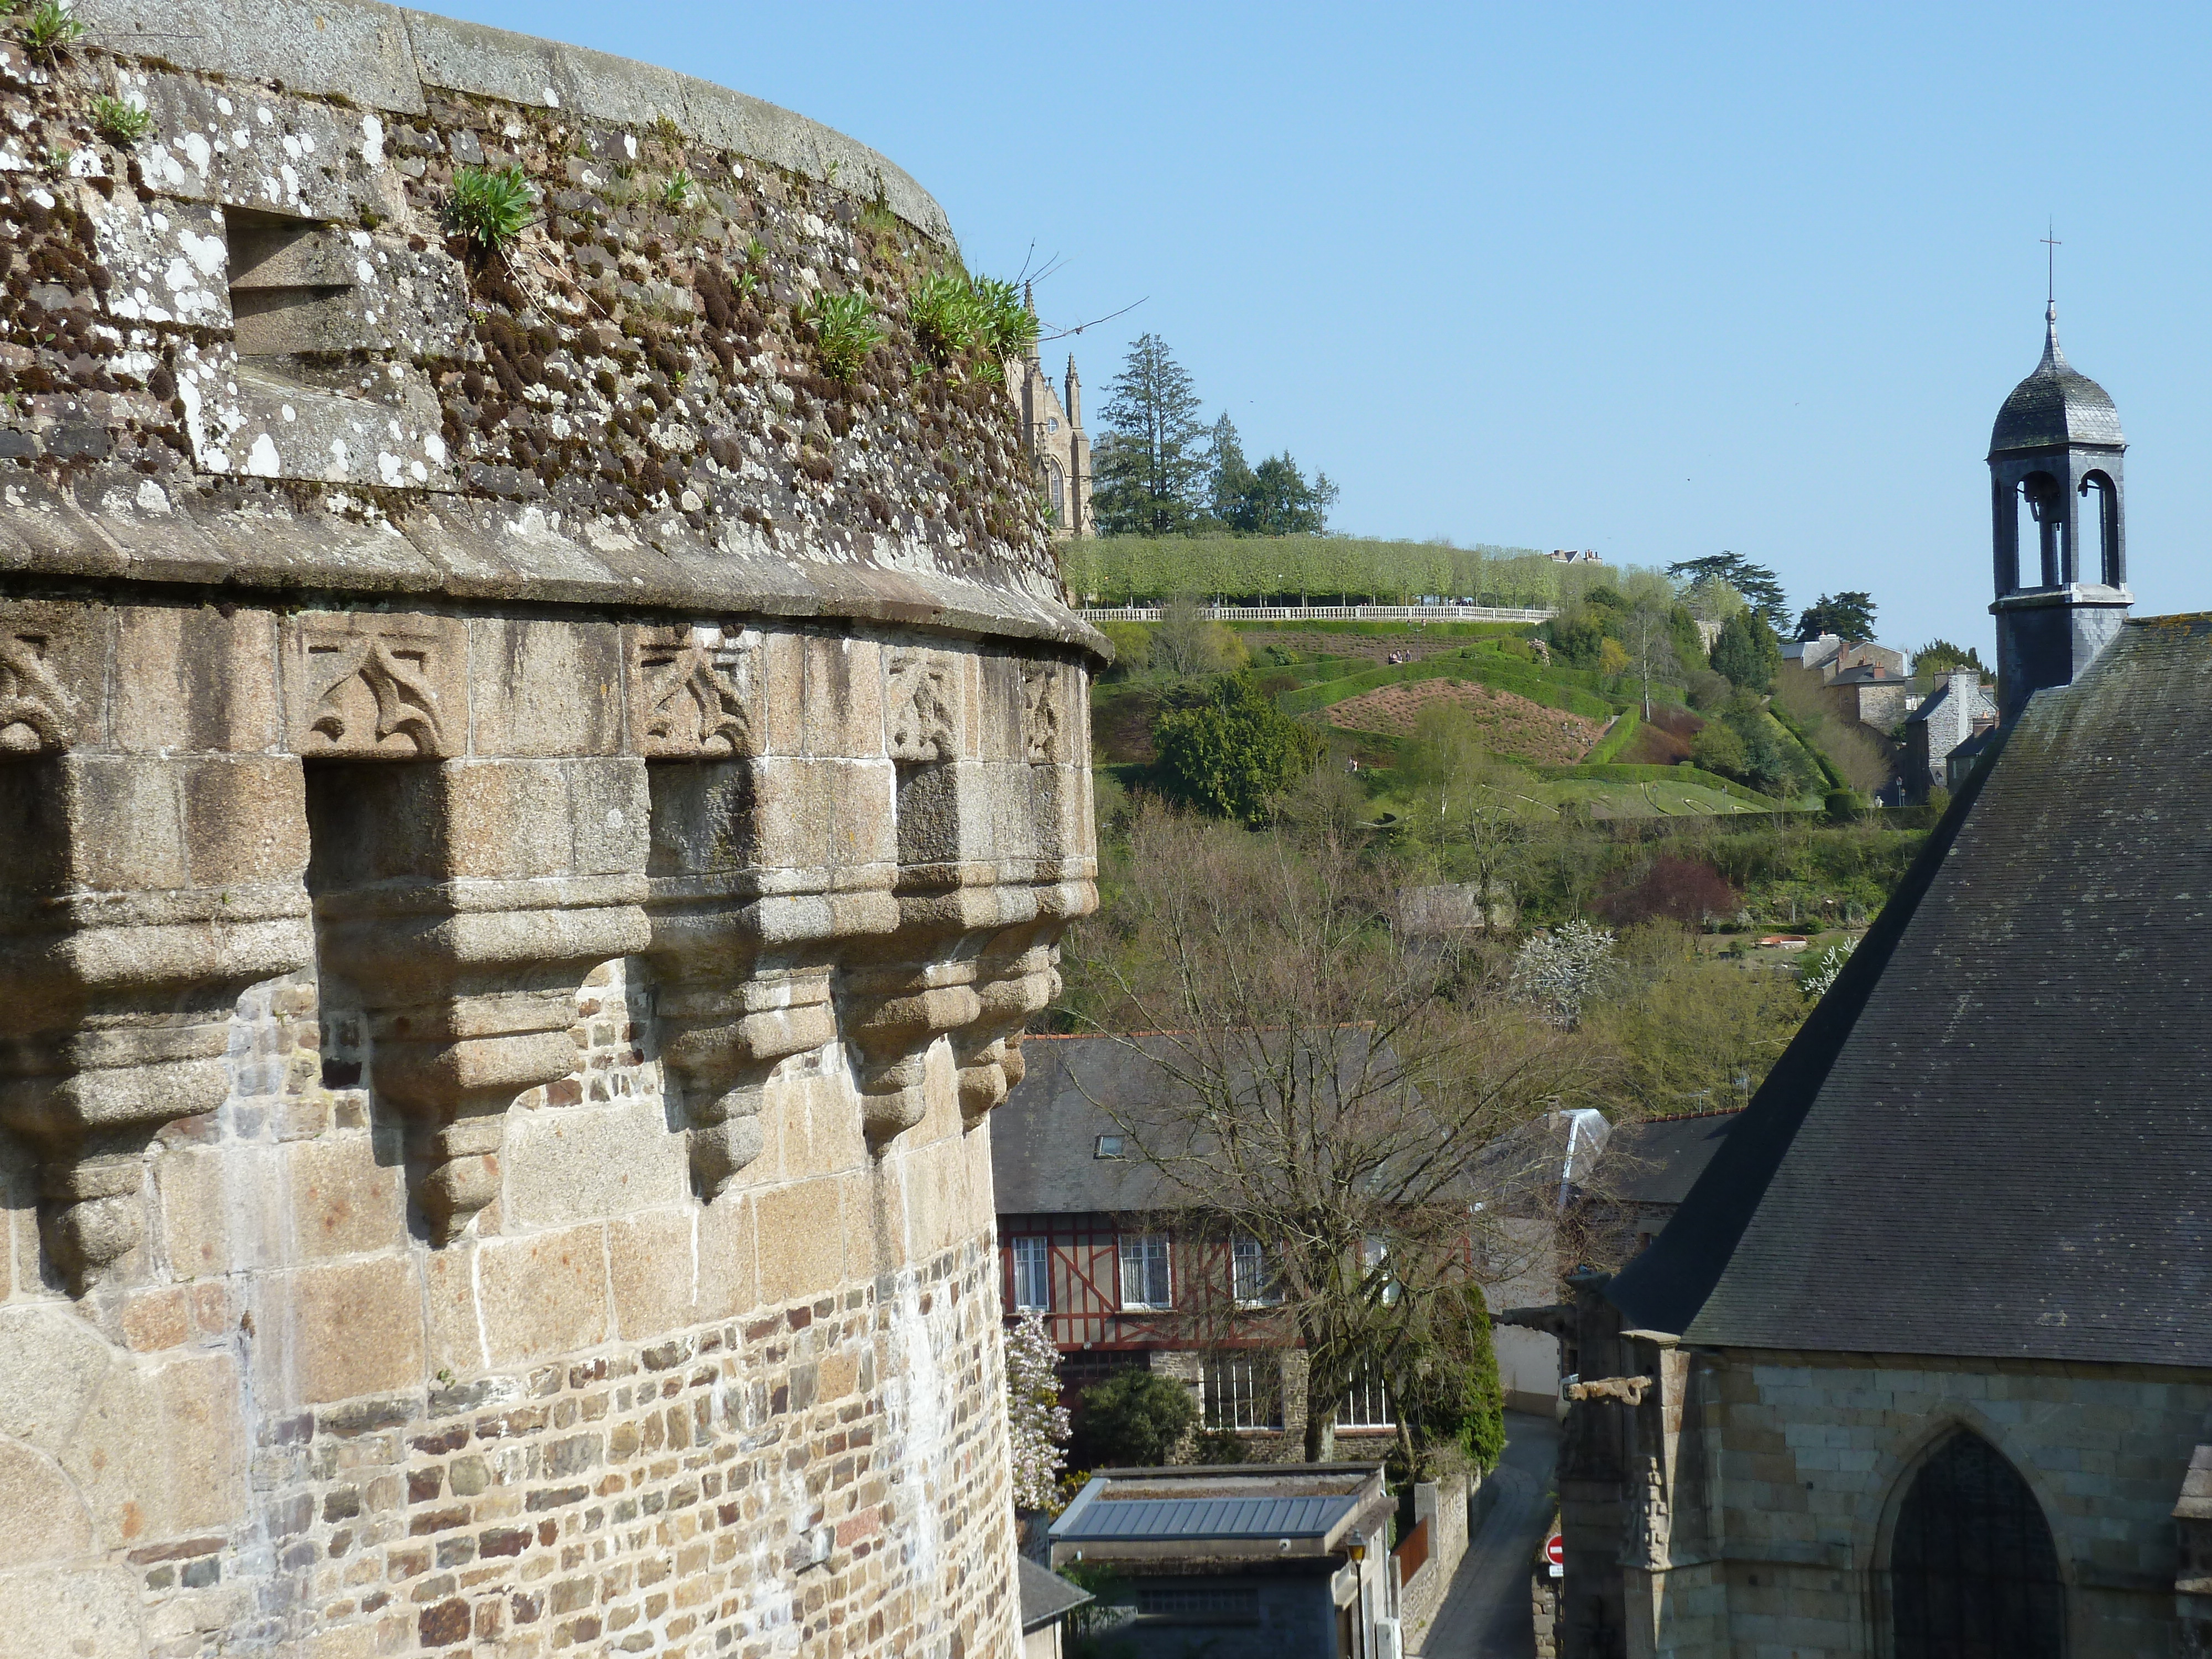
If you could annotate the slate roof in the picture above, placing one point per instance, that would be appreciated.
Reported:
(1129, 1519)
(1044, 1138)
(1656, 1161)
(1993, 1137)
(2056, 404)
(1046, 1597)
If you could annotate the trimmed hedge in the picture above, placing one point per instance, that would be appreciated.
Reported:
(1614, 741)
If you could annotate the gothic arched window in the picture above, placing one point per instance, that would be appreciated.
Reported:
(1972, 1570)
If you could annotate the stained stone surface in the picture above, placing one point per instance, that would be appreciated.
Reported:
(534, 817)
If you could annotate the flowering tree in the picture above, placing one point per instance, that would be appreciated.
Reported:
(1036, 1423)
(1561, 970)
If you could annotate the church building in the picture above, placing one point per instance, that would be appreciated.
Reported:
(1052, 424)
(1923, 1366)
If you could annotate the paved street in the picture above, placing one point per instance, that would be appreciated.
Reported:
(1485, 1616)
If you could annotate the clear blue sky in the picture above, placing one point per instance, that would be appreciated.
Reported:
(1656, 281)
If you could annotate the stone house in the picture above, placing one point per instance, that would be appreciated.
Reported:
(535, 815)
(1861, 681)
(1943, 726)
(1922, 1364)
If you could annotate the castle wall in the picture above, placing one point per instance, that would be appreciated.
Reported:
(535, 813)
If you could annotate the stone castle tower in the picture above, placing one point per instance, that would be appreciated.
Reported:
(536, 803)
(2062, 580)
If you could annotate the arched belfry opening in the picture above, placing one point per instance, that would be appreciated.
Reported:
(1973, 1572)
(2060, 528)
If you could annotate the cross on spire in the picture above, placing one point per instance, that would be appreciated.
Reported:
(2050, 246)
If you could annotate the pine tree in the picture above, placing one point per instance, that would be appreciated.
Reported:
(1151, 463)
(1232, 478)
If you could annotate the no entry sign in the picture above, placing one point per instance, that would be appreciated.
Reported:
(1555, 1552)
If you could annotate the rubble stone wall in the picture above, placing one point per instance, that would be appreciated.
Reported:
(532, 816)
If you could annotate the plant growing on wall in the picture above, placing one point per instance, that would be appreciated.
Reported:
(1005, 324)
(845, 331)
(942, 308)
(49, 29)
(1036, 1423)
(490, 206)
(676, 192)
(120, 123)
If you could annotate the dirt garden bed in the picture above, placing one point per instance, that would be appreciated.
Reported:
(1513, 725)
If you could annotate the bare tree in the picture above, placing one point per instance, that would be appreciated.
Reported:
(1362, 1114)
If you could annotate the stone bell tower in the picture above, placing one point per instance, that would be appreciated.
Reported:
(2055, 490)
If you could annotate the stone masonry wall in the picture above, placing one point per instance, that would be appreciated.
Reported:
(532, 818)
(1766, 1533)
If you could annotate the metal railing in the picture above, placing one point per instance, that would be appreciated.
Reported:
(1418, 613)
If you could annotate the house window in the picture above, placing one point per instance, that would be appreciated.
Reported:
(1144, 1283)
(1374, 1252)
(1110, 1146)
(1366, 1405)
(1252, 1276)
(1243, 1391)
(1032, 1275)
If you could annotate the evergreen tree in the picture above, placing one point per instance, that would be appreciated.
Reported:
(1233, 754)
(1746, 652)
(1149, 464)
(1758, 584)
(1232, 478)
(1849, 616)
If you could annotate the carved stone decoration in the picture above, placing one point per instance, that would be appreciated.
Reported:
(922, 720)
(1042, 739)
(368, 685)
(690, 693)
(34, 706)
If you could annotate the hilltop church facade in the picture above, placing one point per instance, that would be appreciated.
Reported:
(1923, 1366)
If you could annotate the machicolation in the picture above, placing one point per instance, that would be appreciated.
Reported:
(535, 804)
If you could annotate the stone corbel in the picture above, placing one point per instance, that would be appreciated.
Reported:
(140, 895)
(468, 983)
(1011, 991)
(896, 1013)
(462, 902)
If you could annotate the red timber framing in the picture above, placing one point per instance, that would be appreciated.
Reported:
(1083, 1256)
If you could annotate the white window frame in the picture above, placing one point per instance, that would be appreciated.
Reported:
(1031, 1254)
(1148, 1259)
(1252, 1281)
(1365, 1405)
(1249, 1385)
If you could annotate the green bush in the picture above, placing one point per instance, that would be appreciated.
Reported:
(1746, 650)
(490, 206)
(1233, 753)
(1136, 1419)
